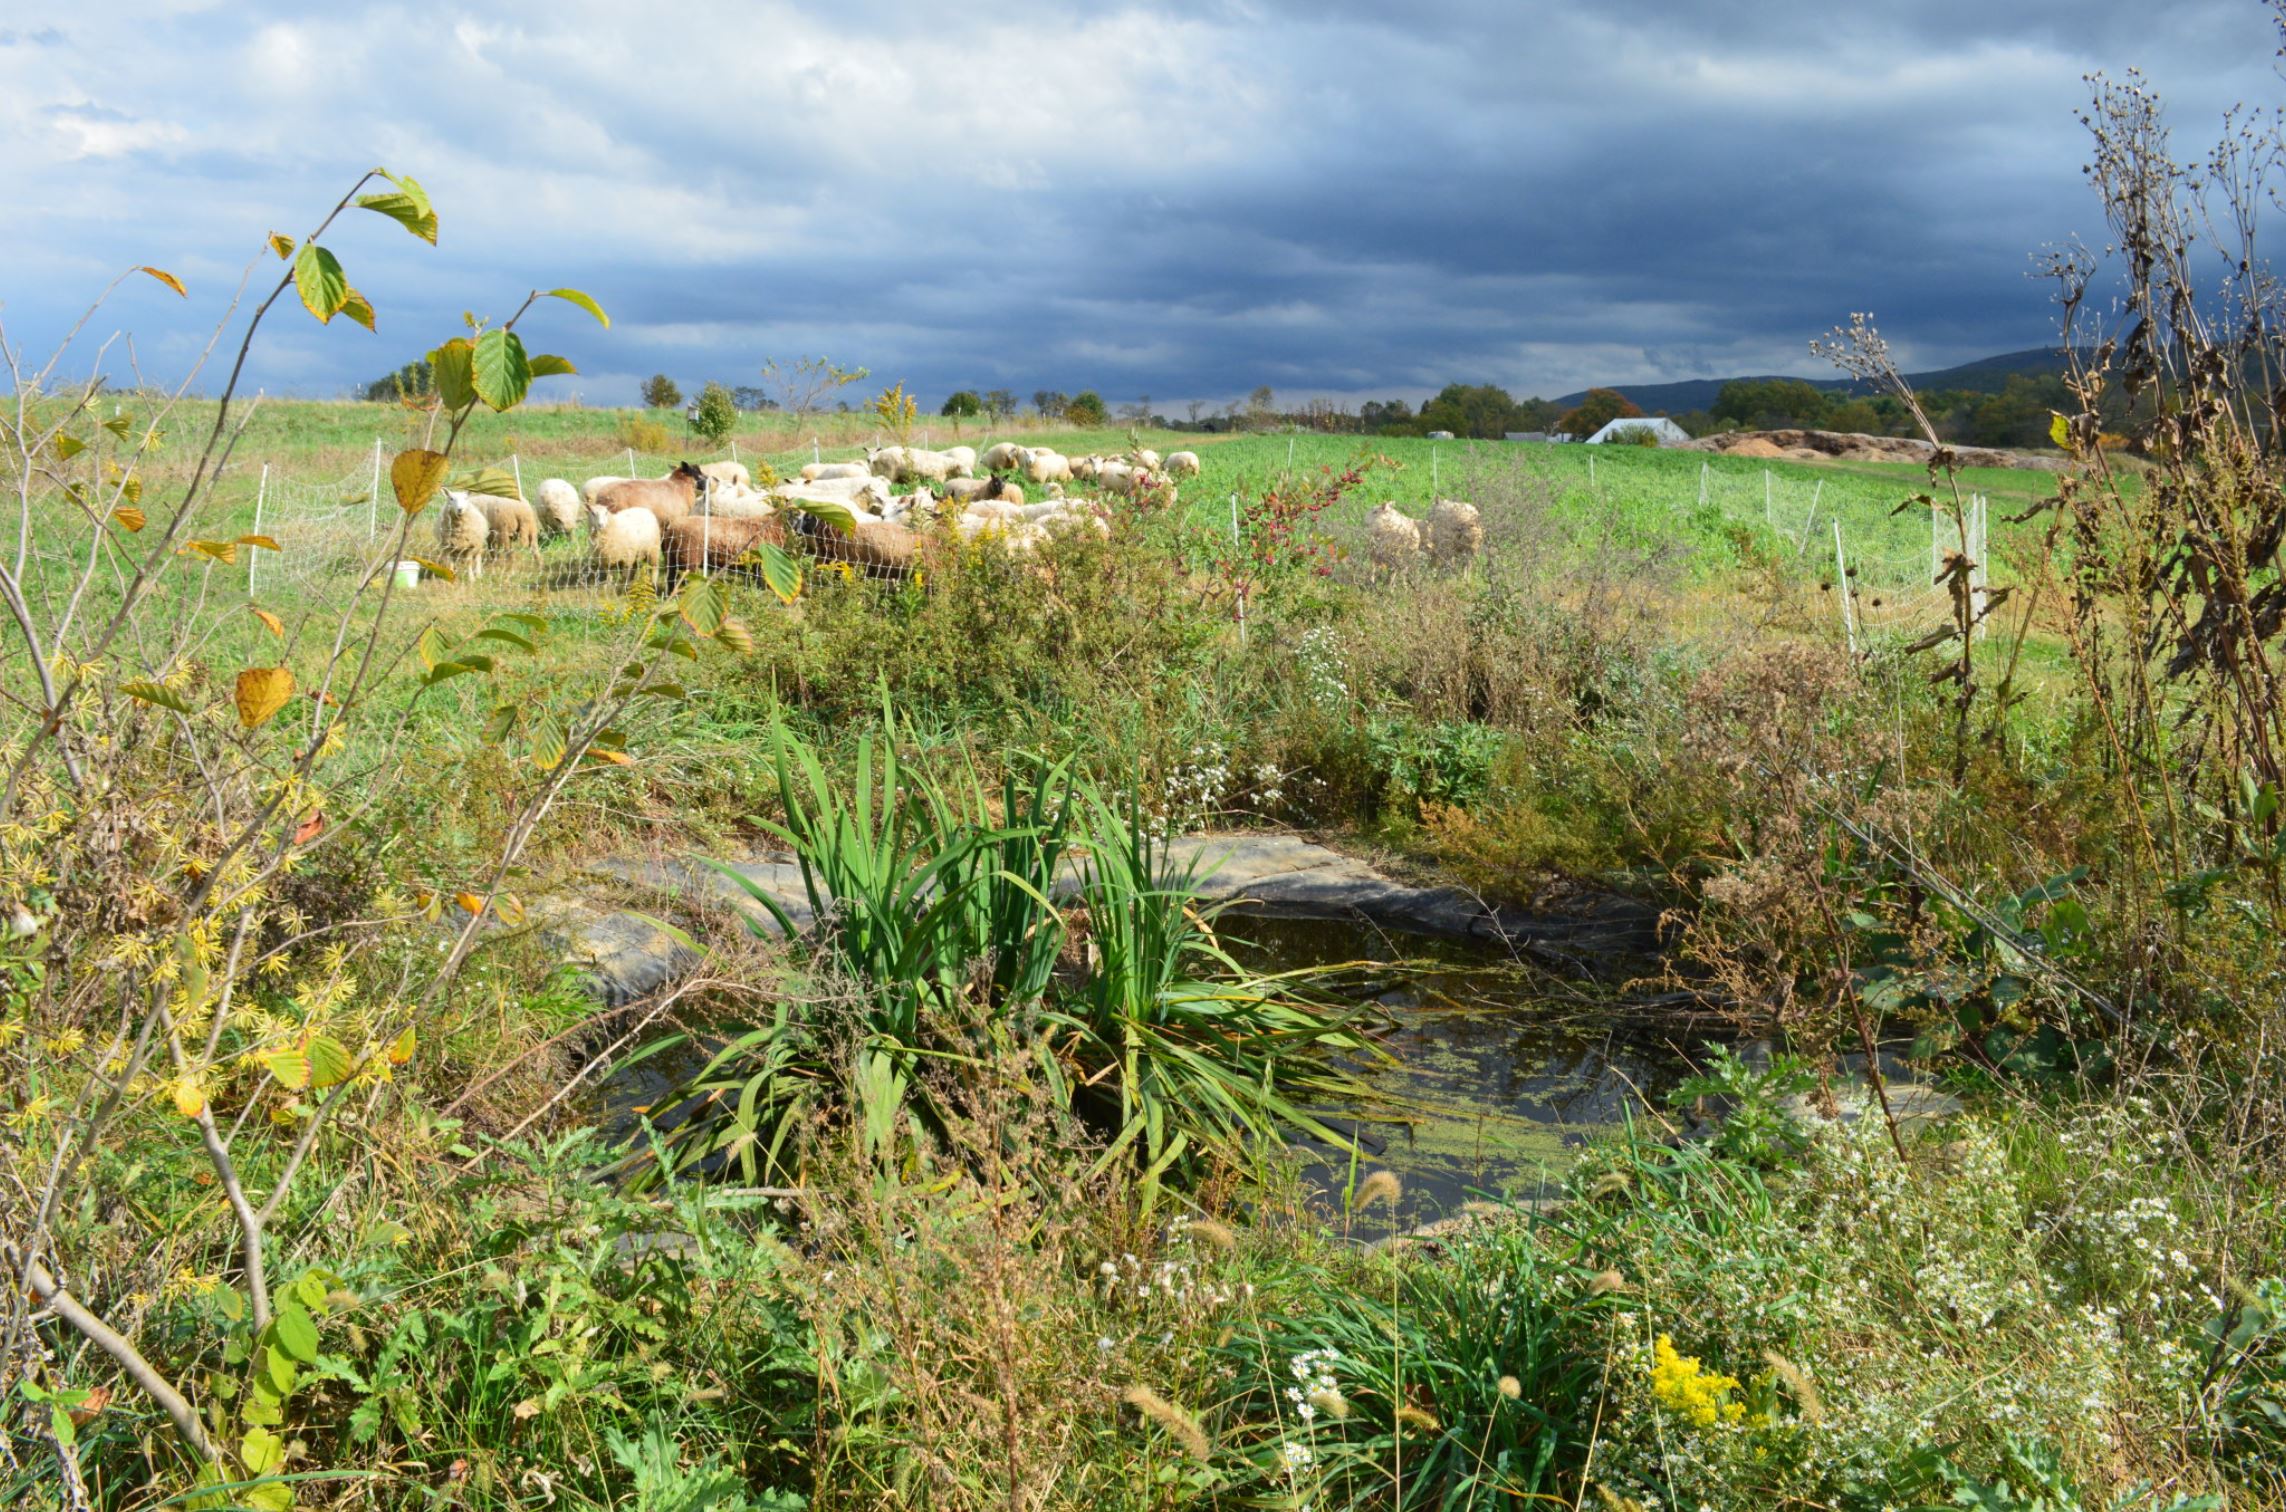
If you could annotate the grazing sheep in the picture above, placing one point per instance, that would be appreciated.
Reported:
(559, 508)
(669, 499)
(1182, 464)
(1123, 479)
(510, 522)
(1003, 456)
(964, 459)
(989, 509)
(462, 531)
(918, 466)
(594, 486)
(1456, 533)
(994, 487)
(703, 543)
(919, 504)
(813, 472)
(1396, 539)
(1044, 466)
(728, 472)
(1146, 458)
(1085, 468)
(858, 493)
(885, 461)
(873, 544)
(737, 504)
(625, 539)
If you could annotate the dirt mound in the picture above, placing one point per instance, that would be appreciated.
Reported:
(1840, 446)
(1749, 446)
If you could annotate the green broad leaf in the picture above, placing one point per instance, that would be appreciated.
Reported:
(261, 1451)
(672, 692)
(452, 367)
(358, 308)
(144, 691)
(410, 186)
(321, 283)
(502, 723)
(119, 425)
(840, 516)
(505, 637)
(290, 1067)
(496, 481)
(549, 365)
(584, 301)
(780, 573)
(701, 605)
(262, 1410)
(296, 1334)
(311, 1288)
(430, 645)
(330, 1061)
(233, 1308)
(503, 374)
(60, 1424)
(278, 1370)
(68, 447)
(548, 741)
(413, 214)
(444, 671)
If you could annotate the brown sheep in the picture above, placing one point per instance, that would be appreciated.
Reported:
(875, 545)
(513, 523)
(671, 498)
(703, 543)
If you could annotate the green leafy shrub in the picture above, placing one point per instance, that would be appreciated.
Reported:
(716, 416)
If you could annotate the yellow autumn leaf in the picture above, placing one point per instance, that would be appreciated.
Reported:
(129, 517)
(262, 692)
(270, 622)
(401, 1050)
(469, 902)
(190, 1098)
(169, 279)
(415, 475)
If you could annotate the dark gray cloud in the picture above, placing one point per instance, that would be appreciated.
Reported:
(1182, 199)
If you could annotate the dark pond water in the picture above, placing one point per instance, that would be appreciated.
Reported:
(1502, 1075)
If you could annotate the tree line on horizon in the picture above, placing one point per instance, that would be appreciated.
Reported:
(2018, 415)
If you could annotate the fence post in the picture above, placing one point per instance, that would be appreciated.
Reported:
(1591, 472)
(1841, 582)
(630, 461)
(734, 448)
(1234, 550)
(816, 455)
(1703, 466)
(1432, 469)
(1811, 518)
(1769, 517)
(261, 492)
(1979, 579)
(516, 463)
(373, 495)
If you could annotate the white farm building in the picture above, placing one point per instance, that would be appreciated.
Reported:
(1666, 430)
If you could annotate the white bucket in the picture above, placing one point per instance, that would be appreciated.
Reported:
(408, 574)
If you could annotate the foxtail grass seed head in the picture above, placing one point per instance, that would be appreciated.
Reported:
(1213, 1233)
(1381, 1186)
(1606, 1281)
(1331, 1402)
(1511, 1388)
(1798, 1382)
(1410, 1416)
(1180, 1425)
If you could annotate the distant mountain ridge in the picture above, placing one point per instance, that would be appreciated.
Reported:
(1986, 375)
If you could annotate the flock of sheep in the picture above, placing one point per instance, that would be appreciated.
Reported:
(703, 517)
(1451, 536)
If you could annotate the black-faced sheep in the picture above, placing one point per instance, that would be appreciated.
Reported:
(728, 472)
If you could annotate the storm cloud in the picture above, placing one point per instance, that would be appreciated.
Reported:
(1180, 200)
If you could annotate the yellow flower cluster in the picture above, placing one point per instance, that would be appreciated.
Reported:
(1701, 1395)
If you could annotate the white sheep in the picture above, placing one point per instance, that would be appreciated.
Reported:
(1182, 464)
(462, 532)
(885, 461)
(964, 459)
(919, 466)
(813, 472)
(511, 522)
(559, 507)
(871, 492)
(1044, 466)
(1396, 539)
(728, 472)
(1003, 456)
(1146, 458)
(1085, 469)
(738, 504)
(1456, 533)
(625, 540)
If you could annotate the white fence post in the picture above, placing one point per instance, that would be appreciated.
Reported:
(1234, 546)
(1591, 472)
(1703, 466)
(734, 448)
(630, 461)
(1841, 582)
(1979, 578)
(516, 463)
(1432, 469)
(373, 495)
(1769, 517)
(1812, 517)
(261, 492)
(816, 455)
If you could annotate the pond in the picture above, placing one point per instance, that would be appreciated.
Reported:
(1502, 1075)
